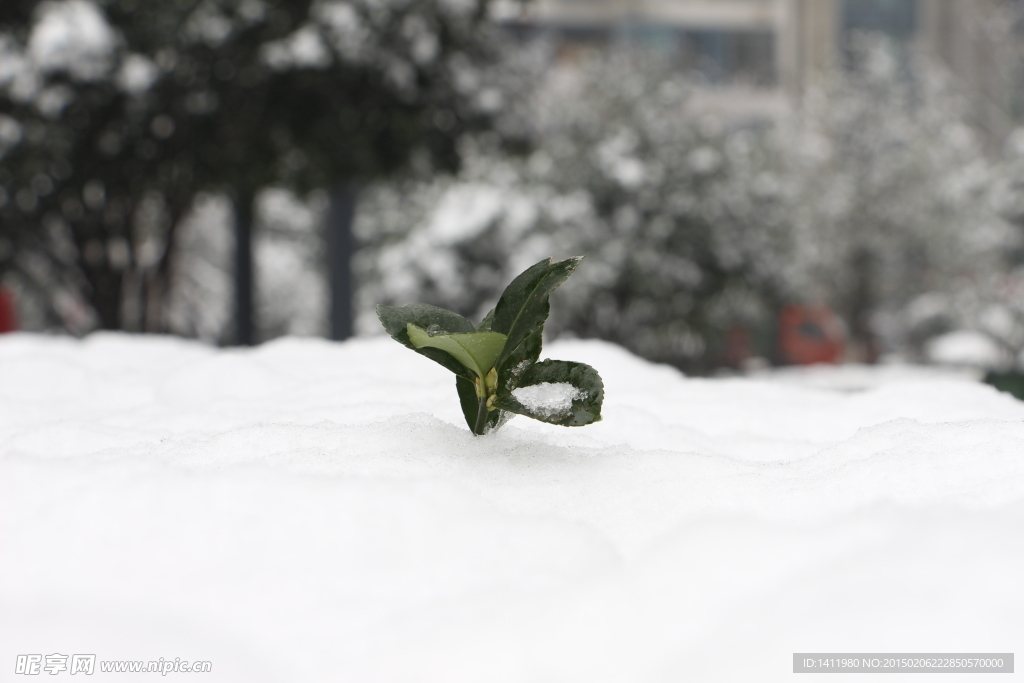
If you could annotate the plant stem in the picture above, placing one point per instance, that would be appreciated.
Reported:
(481, 417)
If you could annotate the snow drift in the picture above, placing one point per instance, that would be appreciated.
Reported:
(309, 511)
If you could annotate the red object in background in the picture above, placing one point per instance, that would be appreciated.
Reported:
(8, 319)
(809, 334)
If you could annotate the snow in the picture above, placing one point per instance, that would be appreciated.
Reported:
(464, 212)
(315, 511)
(72, 35)
(303, 49)
(547, 398)
(137, 74)
(965, 348)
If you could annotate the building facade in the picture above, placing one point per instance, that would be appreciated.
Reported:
(782, 47)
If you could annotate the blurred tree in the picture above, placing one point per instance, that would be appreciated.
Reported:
(873, 198)
(892, 199)
(682, 217)
(122, 111)
(692, 232)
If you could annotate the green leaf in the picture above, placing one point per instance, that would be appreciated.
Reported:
(495, 363)
(523, 306)
(485, 324)
(469, 400)
(513, 366)
(471, 409)
(475, 350)
(397, 318)
(558, 392)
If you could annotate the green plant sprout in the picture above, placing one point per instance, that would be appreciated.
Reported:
(496, 366)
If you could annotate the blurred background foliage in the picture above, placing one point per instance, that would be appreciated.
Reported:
(151, 153)
(681, 217)
(876, 199)
(120, 114)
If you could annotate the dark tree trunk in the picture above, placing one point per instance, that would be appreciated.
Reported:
(104, 279)
(340, 248)
(861, 307)
(106, 295)
(244, 315)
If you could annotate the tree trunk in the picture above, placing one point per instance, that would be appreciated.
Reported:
(340, 249)
(861, 306)
(244, 315)
(106, 285)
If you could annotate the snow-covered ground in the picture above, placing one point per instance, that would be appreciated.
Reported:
(308, 511)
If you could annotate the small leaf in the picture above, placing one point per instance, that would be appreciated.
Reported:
(471, 409)
(475, 350)
(557, 392)
(396, 319)
(523, 306)
(469, 401)
(485, 324)
(513, 366)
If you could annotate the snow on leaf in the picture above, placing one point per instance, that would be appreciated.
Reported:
(549, 399)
